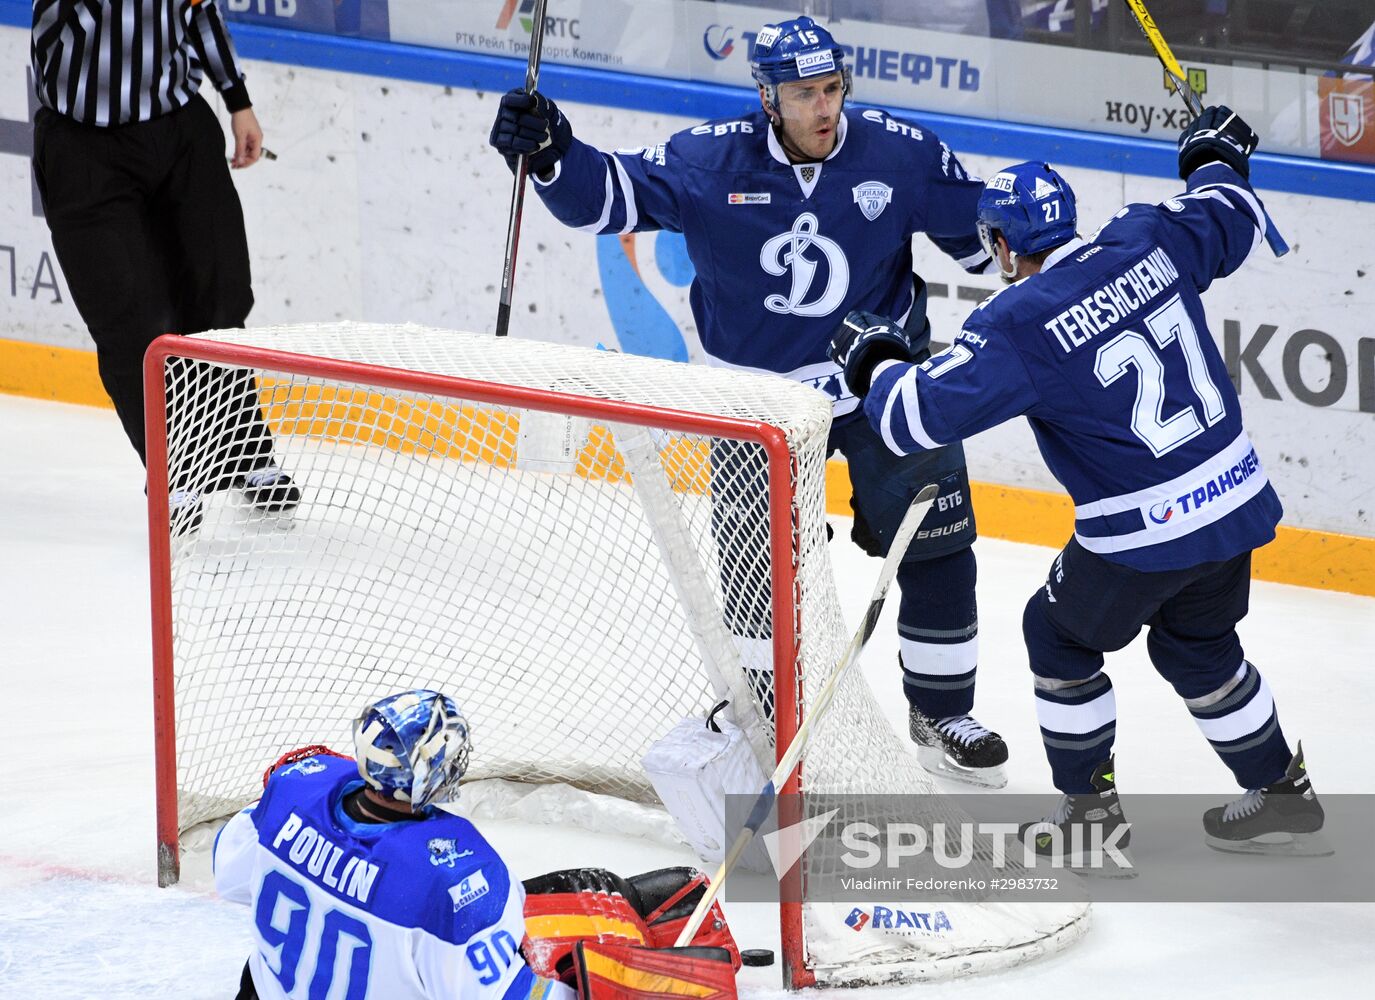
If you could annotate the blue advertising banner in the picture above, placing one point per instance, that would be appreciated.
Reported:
(350, 18)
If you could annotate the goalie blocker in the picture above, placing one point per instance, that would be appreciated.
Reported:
(609, 936)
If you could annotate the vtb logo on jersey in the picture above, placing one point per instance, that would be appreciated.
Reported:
(789, 252)
(872, 197)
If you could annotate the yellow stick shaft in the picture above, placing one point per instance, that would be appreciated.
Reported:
(1163, 53)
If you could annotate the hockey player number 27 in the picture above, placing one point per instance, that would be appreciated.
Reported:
(284, 901)
(1130, 349)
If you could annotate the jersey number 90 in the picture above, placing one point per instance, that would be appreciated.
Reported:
(283, 920)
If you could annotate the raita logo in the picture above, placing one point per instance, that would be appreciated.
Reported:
(911, 921)
(1162, 512)
(857, 919)
(787, 252)
(719, 41)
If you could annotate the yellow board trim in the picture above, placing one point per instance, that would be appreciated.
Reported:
(1327, 560)
(63, 374)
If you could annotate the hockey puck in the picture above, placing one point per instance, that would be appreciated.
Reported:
(756, 956)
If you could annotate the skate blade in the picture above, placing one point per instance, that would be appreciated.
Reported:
(938, 762)
(260, 520)
(1282, 845)
(1091, 864)
(1104, 866)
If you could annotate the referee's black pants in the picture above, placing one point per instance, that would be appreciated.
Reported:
(149, 232)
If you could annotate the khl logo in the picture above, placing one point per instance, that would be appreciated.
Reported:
(718, 41)
(787, 251)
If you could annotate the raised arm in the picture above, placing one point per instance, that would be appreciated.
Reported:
(628, 191)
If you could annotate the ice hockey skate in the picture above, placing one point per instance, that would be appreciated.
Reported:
(185, 511)
(269, 490)
(959, 748)
(1086, 832)
(1284, 819)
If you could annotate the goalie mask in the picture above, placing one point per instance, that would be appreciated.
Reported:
(791, 51)
(413, 747)
(1031, 205)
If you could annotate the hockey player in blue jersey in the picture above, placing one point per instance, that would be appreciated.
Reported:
(1103, 346)
(360, 888)
(794, 215)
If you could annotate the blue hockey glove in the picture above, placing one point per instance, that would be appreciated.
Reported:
(1217, 135)
(863, 340)
(531, 124)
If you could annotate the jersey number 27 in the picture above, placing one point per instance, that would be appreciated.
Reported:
(1130, 349)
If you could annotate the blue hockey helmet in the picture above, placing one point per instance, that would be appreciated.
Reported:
(1031, 205)
(413, 747)
(794, 50)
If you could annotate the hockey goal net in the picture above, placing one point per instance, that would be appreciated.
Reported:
(582, 547)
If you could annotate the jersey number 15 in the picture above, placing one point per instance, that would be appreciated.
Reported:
(1130, 349)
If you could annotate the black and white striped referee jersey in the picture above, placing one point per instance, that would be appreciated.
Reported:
(113, 62)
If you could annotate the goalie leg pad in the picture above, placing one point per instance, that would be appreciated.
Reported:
(668, 898)
(616, 971)
(565, 907)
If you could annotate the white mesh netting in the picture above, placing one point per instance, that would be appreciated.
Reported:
(576, 614)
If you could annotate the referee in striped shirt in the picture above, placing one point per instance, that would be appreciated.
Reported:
(130, 164)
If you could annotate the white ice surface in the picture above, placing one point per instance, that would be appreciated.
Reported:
(80, 915)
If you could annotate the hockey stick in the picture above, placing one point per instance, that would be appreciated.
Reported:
(508, 271)
(1195, 106)
(911, 521)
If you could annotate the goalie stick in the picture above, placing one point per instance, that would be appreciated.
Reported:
(1176, 73)
(508, 270)
(911, 521)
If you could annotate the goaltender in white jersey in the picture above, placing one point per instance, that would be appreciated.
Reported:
(361, 889)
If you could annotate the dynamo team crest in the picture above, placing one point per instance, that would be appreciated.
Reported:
(873, 197)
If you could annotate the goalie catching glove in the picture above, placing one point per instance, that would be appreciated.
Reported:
(533, 125)
(625, 929)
